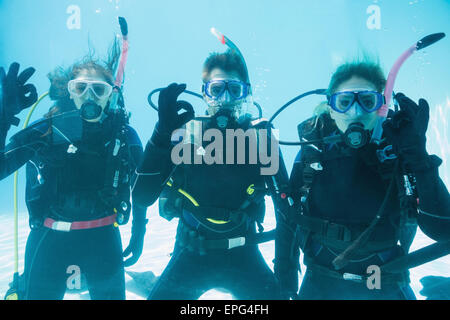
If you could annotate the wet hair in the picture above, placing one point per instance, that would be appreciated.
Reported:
(227, 61)
(366, 68)
(60, 76)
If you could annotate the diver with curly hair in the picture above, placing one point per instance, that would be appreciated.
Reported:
(74, 207)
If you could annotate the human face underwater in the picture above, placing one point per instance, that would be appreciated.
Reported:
(224, 90)
(90, 94)
(356, 113)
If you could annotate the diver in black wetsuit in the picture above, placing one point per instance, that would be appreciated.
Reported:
(74, 208)
(339, 188)
(218, 204)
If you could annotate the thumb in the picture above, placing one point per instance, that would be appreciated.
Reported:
(128, 250)
(130, 261)
(424, 114)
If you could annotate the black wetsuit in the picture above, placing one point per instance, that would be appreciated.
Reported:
(64, 181)
(348, 191)
(219, 190)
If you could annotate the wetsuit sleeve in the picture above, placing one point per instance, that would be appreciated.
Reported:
(434, 202)
(136, 155)
(154, 170)
(22, 147)
(286, 264)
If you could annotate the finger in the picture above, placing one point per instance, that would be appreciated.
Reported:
(407, 105)
(180, 89)
(184, 118)
(29, 95)
(174, 92)
(127, 251)
(25, 75)
(424, 114)
(169, 91)
(12, 72)
(424, 107)
(399, 118)
(130, 261)
(163, 98)
(389, 129)
(184, 105)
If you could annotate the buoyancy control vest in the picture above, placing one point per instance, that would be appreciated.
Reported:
(380, 160)
(66, 181)
(227, 218)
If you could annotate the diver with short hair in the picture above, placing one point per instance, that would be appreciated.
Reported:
(76, 195)
(218, 205)
(357, 203)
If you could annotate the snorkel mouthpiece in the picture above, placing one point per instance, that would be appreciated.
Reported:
(123, 26)
(429, 40)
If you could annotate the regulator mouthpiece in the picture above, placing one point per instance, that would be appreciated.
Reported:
(90, 110)
(356, 136)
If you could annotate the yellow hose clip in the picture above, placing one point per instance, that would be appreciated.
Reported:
(251, 189)
(13, 296)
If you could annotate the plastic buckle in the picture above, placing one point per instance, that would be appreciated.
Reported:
(332, 230)
(236, 242)
(316, 166)
(61, 226)
(383, 156)
(72, 149)
(352, 277)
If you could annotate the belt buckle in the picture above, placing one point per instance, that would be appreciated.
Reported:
(236, 242)
(61, 226)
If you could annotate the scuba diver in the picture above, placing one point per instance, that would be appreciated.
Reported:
(218, 204)
(77, 190)
(357, 203)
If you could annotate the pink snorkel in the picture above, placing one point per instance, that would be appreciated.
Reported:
(383, 111)
(121, 68)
